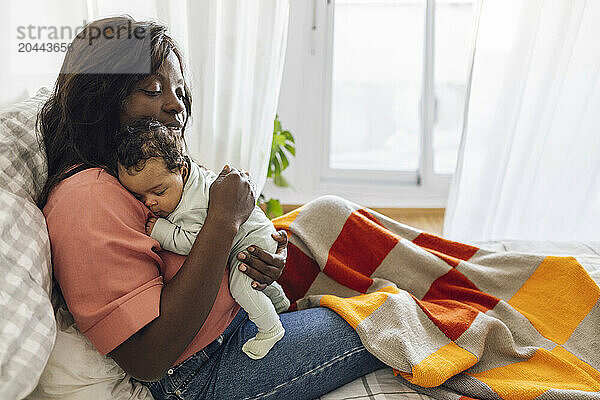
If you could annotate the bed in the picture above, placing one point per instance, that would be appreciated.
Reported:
(43, 356)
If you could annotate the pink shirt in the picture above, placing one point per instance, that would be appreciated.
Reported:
(110, 272)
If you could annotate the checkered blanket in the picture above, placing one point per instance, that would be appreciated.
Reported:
(452, 319)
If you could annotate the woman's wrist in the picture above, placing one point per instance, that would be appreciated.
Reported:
(223, 221)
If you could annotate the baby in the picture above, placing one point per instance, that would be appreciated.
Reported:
(152, 165)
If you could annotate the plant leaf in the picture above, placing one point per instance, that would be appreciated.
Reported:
(278, 140)
(280, 181)
(291, 149)
(282, 142)
(284, 161)
(288, 136)
(277, 127)
(277, 167)
(274, 209)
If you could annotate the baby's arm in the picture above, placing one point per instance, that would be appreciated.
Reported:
(176, 238)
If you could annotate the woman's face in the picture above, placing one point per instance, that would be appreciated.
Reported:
(160, 96)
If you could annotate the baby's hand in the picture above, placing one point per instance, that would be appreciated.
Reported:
(150, 225)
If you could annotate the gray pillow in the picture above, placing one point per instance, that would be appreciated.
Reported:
(23, 164)
(27, 324)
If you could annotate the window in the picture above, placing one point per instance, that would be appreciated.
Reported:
(381, 87)
(376, 79)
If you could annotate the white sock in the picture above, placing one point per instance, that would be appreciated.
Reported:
(258, 347)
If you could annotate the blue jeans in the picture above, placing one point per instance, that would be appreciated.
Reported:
(319, 352)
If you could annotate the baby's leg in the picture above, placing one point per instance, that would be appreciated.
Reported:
(275, 292)
(260, 311)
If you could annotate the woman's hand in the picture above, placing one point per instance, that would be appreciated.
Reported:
(231, 197)
(263, 267)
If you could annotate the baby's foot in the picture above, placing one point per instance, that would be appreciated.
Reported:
(258, 347)
(282, 305)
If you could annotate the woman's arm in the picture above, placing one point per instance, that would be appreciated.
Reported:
(187, 299)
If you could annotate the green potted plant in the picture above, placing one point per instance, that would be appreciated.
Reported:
(282, 144)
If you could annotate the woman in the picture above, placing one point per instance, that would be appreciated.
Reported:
(167, 320)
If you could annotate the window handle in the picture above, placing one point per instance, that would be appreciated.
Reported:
(314, 27)
(314, 14)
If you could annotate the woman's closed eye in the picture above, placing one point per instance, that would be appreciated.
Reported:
(179, 92)
(151, 92)
(161, 192)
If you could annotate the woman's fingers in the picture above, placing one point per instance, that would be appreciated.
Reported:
(278, 258)
(250, 181)
(282, 241)
(225, 170)
(259, 280)
(264, 267)
(256, 260)
(266, 258)
(259, 270)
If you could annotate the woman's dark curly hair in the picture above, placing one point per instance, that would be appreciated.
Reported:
(144, 139)
(79, 121)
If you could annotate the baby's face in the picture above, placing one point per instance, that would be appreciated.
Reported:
(156, 186)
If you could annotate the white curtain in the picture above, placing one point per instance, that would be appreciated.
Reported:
(529, 165)
(24, 23)
(236, 49)
(235, 52)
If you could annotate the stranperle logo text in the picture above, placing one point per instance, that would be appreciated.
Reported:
(52, 32)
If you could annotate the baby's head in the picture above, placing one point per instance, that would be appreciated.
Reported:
(152, 165)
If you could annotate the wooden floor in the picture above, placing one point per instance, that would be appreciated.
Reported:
(428, 219)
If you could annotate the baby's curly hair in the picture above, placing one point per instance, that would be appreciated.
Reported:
(143, 139)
